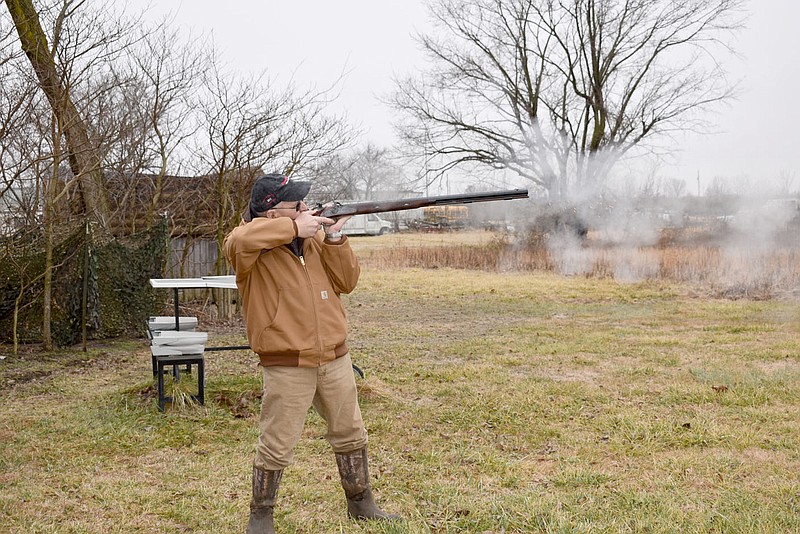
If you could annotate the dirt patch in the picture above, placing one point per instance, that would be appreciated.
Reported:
(29, 366)
(785, 366)
(241, 405)
(585, 376)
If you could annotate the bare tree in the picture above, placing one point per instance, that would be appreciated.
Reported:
(19, 150)
(785, 183)
(375, 172)
(559, 90)
(675, 187)
(335, 178)
(719, 187)
(146, 122)
(68, 47)
(54, 77)
(367, 173)
(313, 134)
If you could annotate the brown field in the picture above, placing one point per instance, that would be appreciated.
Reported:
(498, 400)
(726, 271)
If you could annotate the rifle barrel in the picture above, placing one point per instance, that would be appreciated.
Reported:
(380, 206)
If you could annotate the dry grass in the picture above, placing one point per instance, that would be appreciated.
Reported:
(496, 402)
(730, 272)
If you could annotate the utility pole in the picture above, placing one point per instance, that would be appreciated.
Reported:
(698, 183)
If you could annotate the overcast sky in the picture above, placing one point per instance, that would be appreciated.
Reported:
(315, 41)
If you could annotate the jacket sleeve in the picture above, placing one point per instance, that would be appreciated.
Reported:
(247, 241)
(341, 265)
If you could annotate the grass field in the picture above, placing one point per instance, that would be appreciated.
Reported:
(495, 401)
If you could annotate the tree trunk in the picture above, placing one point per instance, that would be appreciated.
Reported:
(47, 302)
(48, 223)
(83, 158)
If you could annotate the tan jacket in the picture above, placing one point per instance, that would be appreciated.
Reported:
(291, 304)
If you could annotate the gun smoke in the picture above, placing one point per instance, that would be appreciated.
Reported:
(733, 246)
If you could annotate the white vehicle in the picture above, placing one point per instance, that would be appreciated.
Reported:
(368, 224)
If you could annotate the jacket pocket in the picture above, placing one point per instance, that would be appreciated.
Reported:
(293, 327)
(332, 318)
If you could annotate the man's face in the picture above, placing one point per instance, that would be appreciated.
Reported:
(288, 209)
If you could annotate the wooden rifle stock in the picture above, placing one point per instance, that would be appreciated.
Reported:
(379, 206)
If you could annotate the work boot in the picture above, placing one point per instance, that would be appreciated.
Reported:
(354, 473)
(265, 490)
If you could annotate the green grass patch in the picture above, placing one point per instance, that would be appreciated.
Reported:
(495, 402)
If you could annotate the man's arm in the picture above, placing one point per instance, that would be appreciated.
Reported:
(341, 265)
(246, 242)
(338, 258)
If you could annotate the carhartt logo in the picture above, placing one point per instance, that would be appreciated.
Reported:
(324, 295)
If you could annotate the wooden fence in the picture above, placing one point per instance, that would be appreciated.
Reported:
(194, 258)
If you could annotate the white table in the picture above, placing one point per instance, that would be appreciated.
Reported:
(225, 282)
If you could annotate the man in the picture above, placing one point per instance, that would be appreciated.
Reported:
(290, 273)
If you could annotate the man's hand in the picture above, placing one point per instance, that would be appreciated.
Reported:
(308, 225)
(333, 232)
(336, 226)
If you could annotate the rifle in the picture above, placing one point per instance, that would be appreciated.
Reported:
(337, 209)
